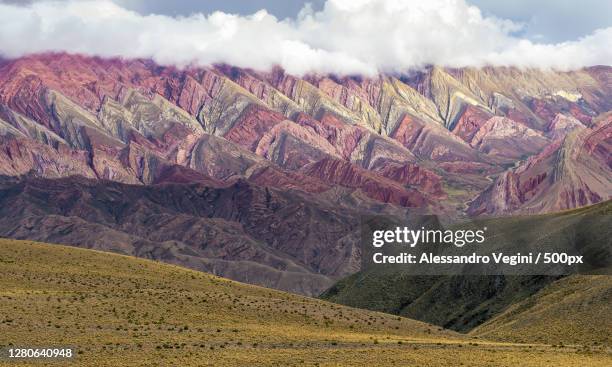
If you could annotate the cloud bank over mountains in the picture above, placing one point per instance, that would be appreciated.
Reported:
(345, 37)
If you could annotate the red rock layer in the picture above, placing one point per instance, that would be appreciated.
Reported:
(345, 174)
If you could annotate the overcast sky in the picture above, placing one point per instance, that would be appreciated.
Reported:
(544, 20)
(344, 36)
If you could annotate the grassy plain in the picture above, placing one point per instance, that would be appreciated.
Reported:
(123, 311)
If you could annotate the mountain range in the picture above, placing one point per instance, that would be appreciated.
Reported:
(263, 176)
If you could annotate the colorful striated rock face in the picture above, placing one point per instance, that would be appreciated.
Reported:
(562, 125)
(570, 172)
(470, 121)
(456, 142)
(338, 172)
(503, 137)
(131, 118)
(413, 175)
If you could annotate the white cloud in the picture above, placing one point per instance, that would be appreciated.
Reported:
(345, 37)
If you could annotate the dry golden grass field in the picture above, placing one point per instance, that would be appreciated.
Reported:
(123, 311)
(573, 310)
